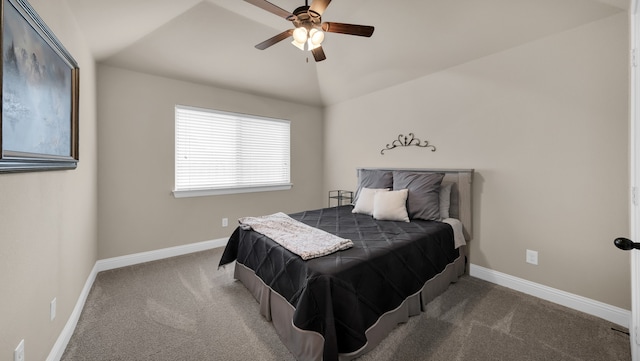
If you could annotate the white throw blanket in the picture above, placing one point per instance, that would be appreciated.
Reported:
(299, 238)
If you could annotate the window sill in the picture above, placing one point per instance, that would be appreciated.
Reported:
(222, 191)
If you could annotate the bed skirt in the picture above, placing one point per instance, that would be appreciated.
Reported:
(309, 345)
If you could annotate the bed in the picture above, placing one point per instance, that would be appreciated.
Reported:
(340, 305)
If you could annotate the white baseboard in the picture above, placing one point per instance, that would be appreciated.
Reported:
(610, 313)
(116, 262)
(70, 326)
(137, 258)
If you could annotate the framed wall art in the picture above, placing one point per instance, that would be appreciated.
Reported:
(40, 94)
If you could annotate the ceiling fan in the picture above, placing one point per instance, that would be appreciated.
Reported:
(308, 32)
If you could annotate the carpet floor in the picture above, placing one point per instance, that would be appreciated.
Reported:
(185, 308)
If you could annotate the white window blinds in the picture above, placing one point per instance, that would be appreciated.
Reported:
(220, 153)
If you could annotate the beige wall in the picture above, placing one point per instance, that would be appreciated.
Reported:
(137, 210)
(48, 222)
(545, 125)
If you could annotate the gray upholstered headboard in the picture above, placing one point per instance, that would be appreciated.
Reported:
(461, 193)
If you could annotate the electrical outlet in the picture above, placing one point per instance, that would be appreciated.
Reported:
(532, 257)
(18, 353)
(52, 309)
(225, 222)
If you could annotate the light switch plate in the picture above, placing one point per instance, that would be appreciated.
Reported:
(532, 257)
(52, 309)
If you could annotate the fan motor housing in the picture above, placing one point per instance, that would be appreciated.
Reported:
(303, 17)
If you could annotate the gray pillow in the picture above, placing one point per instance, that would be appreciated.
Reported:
(445, 199)
(423, 201)
(373, 178)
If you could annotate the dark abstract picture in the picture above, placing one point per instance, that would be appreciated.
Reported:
(37, 91)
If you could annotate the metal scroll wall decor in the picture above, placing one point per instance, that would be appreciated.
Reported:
(407, 140)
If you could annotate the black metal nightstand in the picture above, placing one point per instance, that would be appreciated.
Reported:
(342, 197)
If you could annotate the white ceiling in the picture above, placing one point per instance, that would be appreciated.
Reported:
(212, 41)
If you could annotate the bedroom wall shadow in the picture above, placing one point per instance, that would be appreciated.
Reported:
(474, 250)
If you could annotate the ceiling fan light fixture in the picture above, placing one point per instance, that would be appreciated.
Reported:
(298, 45)
(311, 46)
(300, 35)
(316, 37)
(307, 40)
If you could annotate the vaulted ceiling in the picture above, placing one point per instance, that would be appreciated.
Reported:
(212, 41)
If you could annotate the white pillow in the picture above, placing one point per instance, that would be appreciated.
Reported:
(445, 199)
(364, 204)
(391, 206)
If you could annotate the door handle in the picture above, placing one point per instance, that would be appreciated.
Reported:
(626, 244)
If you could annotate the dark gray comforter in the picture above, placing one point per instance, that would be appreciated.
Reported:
(342, 294)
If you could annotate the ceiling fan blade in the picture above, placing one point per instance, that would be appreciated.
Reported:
(349, 29)
(276, 39)
(319, 6)
(274, 9)
(318, 54)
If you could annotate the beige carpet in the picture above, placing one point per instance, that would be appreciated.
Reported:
(184, 308)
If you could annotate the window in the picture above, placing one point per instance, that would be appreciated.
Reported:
(221, 153)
